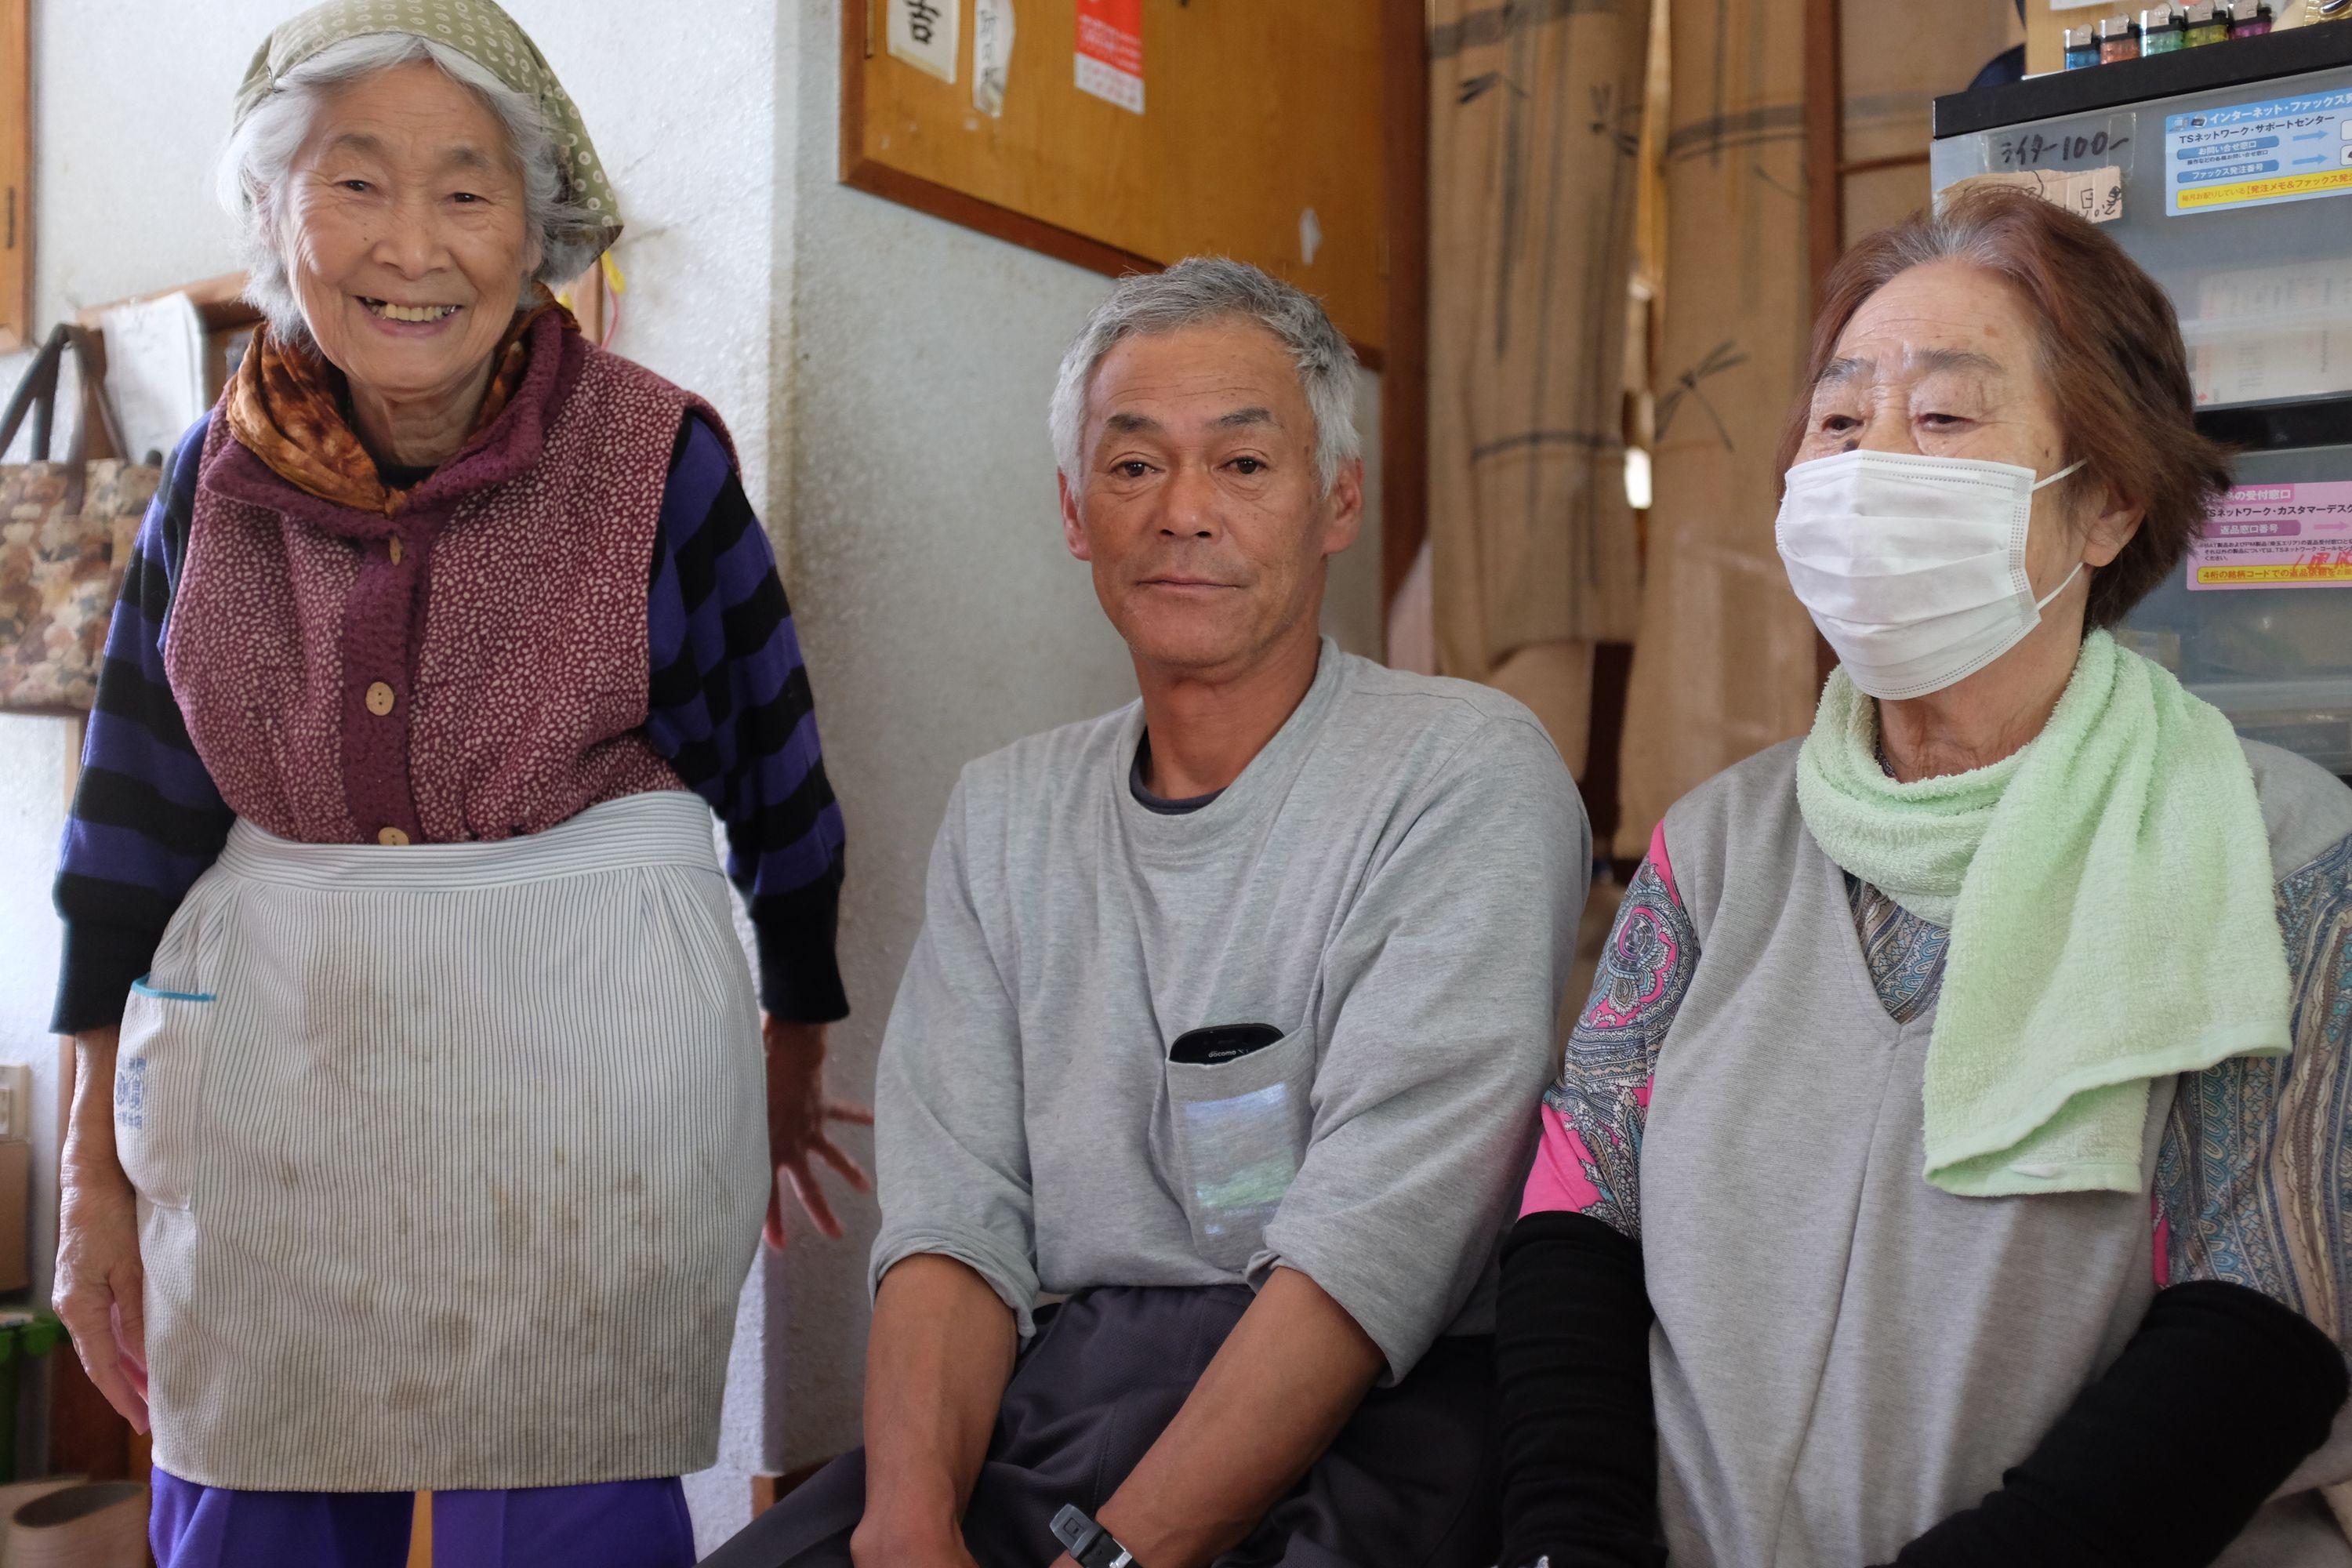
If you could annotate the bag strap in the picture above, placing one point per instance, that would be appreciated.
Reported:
(93, 379)
(39, 392)
(94, 386)
(76, 463)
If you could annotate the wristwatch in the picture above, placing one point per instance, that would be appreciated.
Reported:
(1088, 1543)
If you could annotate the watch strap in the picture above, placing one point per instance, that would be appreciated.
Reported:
(1087, 1543)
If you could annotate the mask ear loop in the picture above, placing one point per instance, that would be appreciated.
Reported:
(2043, 603)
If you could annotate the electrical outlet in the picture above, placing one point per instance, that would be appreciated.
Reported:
(16, 1100)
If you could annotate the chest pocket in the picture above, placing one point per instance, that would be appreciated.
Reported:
(1239, 1129)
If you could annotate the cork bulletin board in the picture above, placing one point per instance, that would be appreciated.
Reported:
(15, 175)
(1122, 134)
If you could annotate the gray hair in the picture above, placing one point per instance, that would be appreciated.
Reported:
(260, 155)
(1200, 289)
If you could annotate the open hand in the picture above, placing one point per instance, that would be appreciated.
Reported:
(798, 1109)
(100, 1288)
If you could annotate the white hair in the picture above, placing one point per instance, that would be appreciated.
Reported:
(1204, 289)
(260, 154)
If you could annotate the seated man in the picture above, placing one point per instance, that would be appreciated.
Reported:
(1224, 1023)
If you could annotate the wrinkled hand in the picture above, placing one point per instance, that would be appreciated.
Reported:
(100, 1288)
(798, 1109)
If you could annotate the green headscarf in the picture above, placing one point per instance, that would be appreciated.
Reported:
(475, 29)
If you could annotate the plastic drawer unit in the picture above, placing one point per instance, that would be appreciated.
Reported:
(2258, 621)
(2226, 172)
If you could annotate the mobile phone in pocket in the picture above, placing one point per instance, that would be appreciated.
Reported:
(1222, 1043)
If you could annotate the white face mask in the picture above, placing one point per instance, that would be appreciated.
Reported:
(1913, 567)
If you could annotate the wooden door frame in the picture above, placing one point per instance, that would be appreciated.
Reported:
(1825, 174)
(17, 176)
(1404, 376)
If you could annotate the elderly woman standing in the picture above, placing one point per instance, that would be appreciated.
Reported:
(429, 1151)
(1951, 1164)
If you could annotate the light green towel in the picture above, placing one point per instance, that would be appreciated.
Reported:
(2108, 892)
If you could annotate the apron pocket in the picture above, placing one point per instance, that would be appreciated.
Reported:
(1241, 1129)
(674, 911)
(158, 1089)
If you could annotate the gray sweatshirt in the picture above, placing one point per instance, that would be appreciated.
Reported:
(1393, 885)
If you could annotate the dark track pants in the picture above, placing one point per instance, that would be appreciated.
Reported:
(1410, 1482)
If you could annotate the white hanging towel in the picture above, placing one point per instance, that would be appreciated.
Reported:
(451, 1158)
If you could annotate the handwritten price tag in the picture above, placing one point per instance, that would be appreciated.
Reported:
(2094, 193)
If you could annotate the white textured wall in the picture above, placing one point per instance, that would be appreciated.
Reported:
(885, 376)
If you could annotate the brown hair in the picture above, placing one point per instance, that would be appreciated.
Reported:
(2109, 348)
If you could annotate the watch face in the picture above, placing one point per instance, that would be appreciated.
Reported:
(1088, 1543)
(1071, 1527)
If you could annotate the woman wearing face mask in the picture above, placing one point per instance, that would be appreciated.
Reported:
(417, 1139)
(1950, 1166)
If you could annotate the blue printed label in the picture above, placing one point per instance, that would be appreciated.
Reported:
(131, 1093)
(2258, 154)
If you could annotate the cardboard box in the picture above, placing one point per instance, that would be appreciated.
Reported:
(16, 1209)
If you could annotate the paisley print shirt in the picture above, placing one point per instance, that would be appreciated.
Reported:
(2253, 1156)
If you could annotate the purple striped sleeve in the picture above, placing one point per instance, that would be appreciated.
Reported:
(147, 818)
(730, 708)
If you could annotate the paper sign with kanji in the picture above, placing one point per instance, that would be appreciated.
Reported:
(1110, 51)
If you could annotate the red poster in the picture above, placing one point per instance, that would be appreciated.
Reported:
(1110, 51)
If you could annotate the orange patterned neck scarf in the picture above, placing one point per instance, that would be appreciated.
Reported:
(286, 405)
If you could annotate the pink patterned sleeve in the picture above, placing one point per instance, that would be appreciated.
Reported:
(1589, 1158)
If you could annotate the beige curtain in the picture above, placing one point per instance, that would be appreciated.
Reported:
(1535, 116)
(1895, 62)
(1724, 664)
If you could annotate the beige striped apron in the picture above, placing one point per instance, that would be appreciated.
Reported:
(450, 1158)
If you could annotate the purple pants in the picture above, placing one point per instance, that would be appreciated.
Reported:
(619, 1524)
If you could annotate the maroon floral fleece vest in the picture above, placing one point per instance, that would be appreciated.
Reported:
(471, 668)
